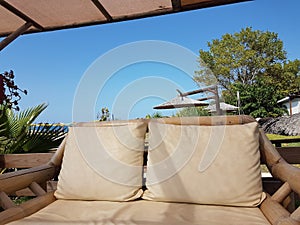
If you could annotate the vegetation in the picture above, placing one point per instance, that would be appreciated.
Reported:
(279, 137)
(18, 135)
(253, 63)
(154, 115)
(9, 91)
(192, 111)
(104, 115)
(17, 132)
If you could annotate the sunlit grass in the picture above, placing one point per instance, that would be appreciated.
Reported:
(280, 137)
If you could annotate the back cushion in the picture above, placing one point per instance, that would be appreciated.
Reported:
(103, 161)
(217, 165)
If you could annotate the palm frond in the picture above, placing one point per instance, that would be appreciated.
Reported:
(42, 138)
(18, 136)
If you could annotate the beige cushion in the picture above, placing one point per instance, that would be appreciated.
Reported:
(103, 161)
(217, 165)
(142, 213)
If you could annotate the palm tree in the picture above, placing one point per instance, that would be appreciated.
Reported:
(18, 135)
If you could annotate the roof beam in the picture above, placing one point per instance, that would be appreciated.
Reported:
(20, 14)
(102, 10)
(213, 89)
(206, 98)
(176, 4)
(14, 35)
(192, 4)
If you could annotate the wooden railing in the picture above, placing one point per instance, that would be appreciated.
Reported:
(279, 142)
(290, 154)
(28, 160)
(22, 161)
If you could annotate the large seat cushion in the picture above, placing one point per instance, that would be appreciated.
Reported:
(142, 212)
(103, 161)
(217, 165)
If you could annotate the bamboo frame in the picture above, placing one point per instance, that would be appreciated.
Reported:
(27, 208)
(272, 207)
(14, 181)
(207, 120)
(27, 160)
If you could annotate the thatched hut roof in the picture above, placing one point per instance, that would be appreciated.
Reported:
(180, 102)
(282, 125)
(223, 106)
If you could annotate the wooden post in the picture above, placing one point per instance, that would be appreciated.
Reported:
(5, 201)
(291, 108)
(218, 109)
(213, 90)
(14, 35)
(1, 89)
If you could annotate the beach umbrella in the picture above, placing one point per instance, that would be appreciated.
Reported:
(223, 106)
(180, 102)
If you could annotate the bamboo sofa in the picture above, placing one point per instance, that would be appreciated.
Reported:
(200, 170)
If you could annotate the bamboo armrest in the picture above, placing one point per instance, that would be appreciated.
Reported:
(27, 208)
(272, 207)
(14, 181)
(31, 178)
(277, 166)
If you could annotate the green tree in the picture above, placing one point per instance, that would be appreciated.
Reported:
(291, 83)
(9, 91)
(251, 62)
(192, 111)
(104, 115)
(257, 100)
(17, 132)
(154, 115)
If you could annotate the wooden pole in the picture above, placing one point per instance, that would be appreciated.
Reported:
(218, 109)
(213, 89)
(209, 89)
(14, 35)
(291, 108)
(1, 89)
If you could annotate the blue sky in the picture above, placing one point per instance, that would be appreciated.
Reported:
(52, 66)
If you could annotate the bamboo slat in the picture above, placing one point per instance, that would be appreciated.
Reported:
(27, 208)
(287, 202)
(275, 213)
(279, 142)
(11, 182)
(282, 192)
(24, 160)
(290, 154)
(207, 120)
(296, 214)
(5, 201)
(37, 189)
(51, 186)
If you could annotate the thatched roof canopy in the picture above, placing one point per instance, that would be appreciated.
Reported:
(180, 102)
(286, 125)
(223, 106)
